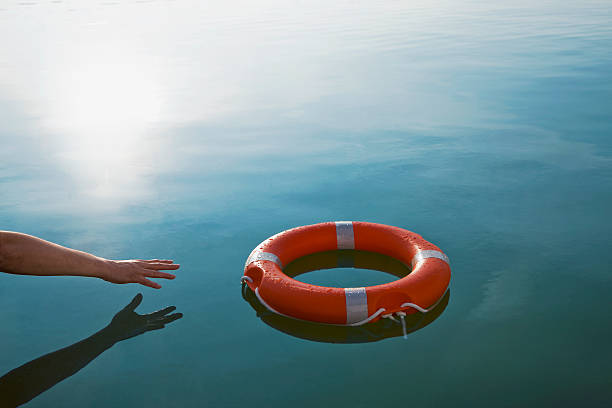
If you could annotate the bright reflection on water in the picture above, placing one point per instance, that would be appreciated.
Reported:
(103, 112)
(194, 130)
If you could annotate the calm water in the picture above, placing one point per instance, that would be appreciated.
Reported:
(194, 130)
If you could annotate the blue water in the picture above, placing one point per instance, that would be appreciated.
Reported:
(195, 130)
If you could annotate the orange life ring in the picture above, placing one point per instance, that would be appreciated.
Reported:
(421, 290)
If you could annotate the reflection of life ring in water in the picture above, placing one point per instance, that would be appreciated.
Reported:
(370, 332)
(420, 290)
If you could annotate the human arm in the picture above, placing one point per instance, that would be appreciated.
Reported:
(20, 385)
(28, 255)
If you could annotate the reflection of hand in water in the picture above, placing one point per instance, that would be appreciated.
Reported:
(31, 379)
(127, 323)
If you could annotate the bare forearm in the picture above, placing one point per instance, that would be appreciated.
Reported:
(27, 255)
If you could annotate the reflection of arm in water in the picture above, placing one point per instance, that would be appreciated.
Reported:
(26, 382)
(28, 255)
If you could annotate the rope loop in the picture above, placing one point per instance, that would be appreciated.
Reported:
(402, 316)
(374, 316)
(390, 317)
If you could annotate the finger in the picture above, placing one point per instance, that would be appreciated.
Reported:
(160, 265)
(151, 284)
(134, 303)
(154, 327)
(155, 274)
(170, 318)
(168, 261)
(162, 312)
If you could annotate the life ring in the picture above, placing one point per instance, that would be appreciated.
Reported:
(419, 291)
(327, 333)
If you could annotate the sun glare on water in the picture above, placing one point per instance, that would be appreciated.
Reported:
(104, 113)
(111, 96)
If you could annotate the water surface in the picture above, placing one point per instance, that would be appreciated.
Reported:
(195, 130)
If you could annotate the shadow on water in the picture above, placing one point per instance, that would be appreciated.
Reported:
(37, 376)
(326, 333)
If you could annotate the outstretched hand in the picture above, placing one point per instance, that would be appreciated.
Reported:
(127, 323)
(138, 270)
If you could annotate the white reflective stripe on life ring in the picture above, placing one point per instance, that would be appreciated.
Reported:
(428, 253)
(345, 235)
(356, 305)
(263, 256)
